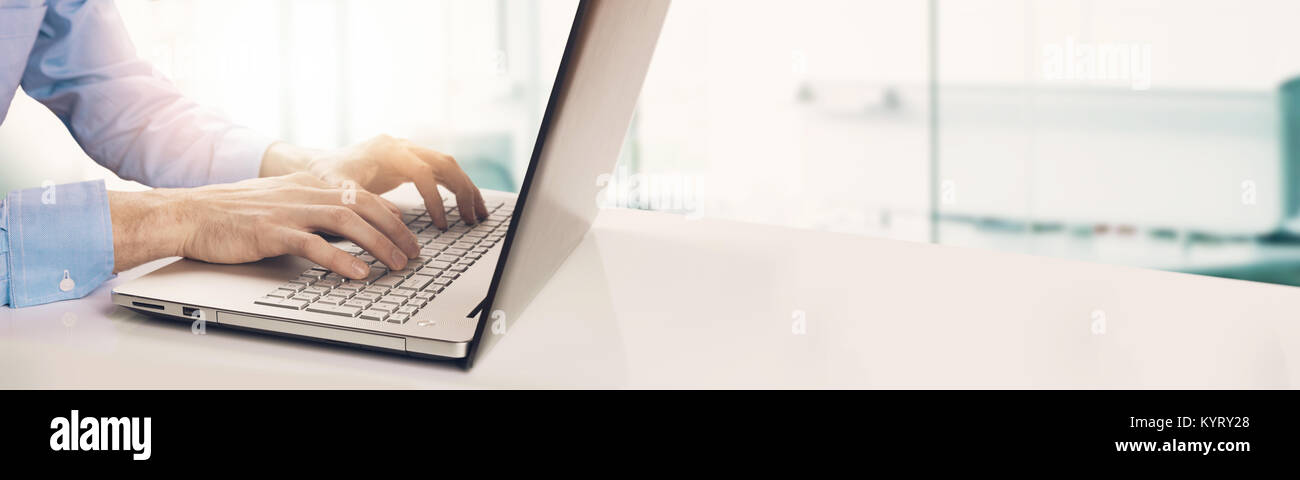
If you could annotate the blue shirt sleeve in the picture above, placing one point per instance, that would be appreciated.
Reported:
(56, 243)
(124, 114)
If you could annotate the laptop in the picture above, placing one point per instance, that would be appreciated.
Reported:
(471, 281)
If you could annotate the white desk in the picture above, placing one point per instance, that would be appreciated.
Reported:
(652, 300)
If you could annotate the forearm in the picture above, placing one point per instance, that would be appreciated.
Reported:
(146, 226)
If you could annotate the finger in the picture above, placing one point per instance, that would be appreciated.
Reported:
(373, 210)
(397, 212)
(454, 178)
(479, 205)
(344, 222)
(421, 174)
(465, 199)
(316, 249)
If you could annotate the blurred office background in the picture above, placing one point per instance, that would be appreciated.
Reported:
(1176, 164)
(951, 121)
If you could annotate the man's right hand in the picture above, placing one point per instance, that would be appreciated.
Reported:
(259, 218)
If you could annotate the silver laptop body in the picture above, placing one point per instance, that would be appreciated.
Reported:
(438, 306)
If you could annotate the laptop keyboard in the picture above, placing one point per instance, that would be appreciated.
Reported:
(396, 296)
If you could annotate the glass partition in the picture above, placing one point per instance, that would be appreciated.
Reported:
(1145, 133)
(1135, 132)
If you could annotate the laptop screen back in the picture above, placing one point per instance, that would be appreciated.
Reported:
(591, 106)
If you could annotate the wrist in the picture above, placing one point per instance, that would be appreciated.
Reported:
(147, 226)
(285, 158)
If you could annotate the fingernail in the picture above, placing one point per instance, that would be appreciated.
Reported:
(360, 268)
(398, 258)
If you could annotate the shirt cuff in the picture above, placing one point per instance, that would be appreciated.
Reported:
(238, 156)
(4, 253)
(60, 240)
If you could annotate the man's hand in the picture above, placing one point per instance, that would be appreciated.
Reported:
(381, 164)
(259, 218)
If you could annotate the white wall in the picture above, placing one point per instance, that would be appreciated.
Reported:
(722, 102)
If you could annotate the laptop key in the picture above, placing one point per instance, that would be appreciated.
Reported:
(282, 293)
(390, 281)
(393, 299)
(376, 315)
(398, 318)
(293, 304)
(407, 310)
(362, 304)
(270, 301)
(321, 308)
(376, 273)
(416, 282)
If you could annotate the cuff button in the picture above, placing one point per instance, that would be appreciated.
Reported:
(67, 284)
